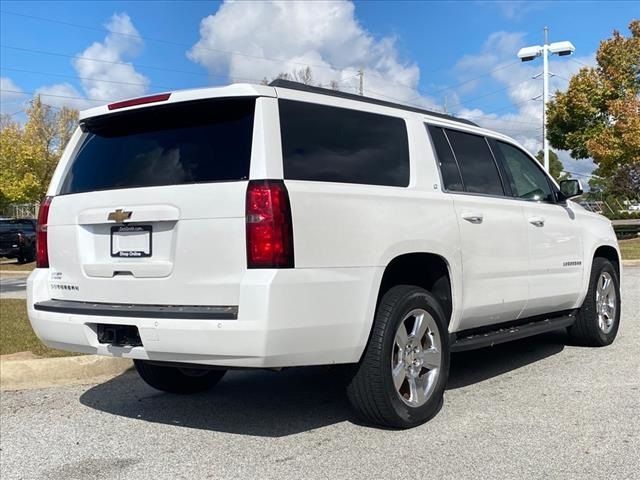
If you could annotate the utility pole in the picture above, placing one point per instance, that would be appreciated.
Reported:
(361, 87)
(545, 96)
(527, 54)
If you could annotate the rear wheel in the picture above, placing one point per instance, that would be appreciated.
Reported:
(402, 375)
(177, 379)
(598, 320)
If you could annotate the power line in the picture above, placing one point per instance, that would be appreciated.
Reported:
(488, 94)
(185, 45)
(229, 52)
(507, 106)
(86, 78)
(161, 40)
(501, 67)
(56, 96)
(581, 63)
(112, 62)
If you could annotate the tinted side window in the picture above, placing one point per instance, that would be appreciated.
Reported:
(332, 144)
(448, 166)
(527, 179)
(479, 170)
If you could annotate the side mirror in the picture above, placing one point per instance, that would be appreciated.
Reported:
(571, 188)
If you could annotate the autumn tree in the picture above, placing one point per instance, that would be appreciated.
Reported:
(598, 116)
(305, 76)
(29, 153)
(555, 165)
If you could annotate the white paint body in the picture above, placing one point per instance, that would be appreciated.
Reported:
(345, 235)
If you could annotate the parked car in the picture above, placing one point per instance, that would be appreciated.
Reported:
(18, 239)
(286, 225)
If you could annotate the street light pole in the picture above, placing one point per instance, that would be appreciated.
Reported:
(545, 96)
(527, 54)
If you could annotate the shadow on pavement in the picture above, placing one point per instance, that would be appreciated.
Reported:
(476, 366)
(249, 402)
(276, 404)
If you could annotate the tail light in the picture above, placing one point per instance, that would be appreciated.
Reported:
(269, 226)
(42, 251)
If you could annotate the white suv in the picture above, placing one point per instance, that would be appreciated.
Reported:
(285, 225)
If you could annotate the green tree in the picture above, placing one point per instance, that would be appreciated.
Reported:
(555, 165)
(598, 116)
(29, 153)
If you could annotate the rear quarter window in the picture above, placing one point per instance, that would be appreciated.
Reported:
(477, 165)
(188, 142)
(331, 144)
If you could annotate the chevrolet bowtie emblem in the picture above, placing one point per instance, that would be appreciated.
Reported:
(119, 216)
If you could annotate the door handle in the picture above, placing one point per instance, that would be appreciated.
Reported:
(537, 221)
(473, 217)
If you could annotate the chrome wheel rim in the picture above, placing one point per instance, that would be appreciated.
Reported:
(416, 358)
(606, 302)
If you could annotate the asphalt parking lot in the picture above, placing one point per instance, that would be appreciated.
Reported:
(13, 285)
(538, 408)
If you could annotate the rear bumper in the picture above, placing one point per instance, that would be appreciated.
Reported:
(289, 317)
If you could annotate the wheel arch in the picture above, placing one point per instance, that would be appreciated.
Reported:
(430, 271)
(606, 250)
(610, 253)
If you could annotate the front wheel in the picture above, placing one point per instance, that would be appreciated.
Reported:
(598, 320)
(177, 379)
(401, 377)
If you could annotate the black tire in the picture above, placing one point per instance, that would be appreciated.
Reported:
(177, 379)
(20, 259)
(371, 390)
(586, 330)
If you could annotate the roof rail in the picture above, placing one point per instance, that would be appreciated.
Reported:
(279, 82)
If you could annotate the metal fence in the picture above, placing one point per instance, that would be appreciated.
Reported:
(613, 206)
(20, 210)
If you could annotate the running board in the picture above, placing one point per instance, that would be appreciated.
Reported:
(470, 341)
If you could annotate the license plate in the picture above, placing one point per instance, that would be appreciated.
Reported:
(131, 241)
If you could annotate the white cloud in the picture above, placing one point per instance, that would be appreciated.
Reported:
(112, 78)
(11, 96)
(114, 48)
(64, 95)
(324, 35)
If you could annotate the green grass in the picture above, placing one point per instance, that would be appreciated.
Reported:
(16, 334)
(14, 265)
(630, 249)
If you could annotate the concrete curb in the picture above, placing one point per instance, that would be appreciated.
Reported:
(48, 372)
(631, 263)
(15, 272)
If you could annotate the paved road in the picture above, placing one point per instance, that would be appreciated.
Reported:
(532, 409)
(13, 285)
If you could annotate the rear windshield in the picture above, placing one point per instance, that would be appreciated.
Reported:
(189, 142)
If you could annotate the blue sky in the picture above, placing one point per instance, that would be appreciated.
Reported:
(458, 54)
